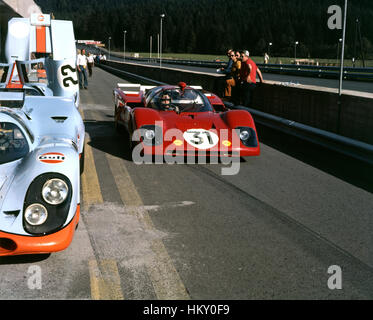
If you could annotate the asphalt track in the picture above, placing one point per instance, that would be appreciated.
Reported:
(160, 231)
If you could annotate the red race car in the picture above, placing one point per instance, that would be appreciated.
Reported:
(183, 120)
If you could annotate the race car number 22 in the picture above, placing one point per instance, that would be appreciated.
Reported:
(69, 75)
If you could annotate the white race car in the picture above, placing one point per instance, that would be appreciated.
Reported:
(41, 158)
(41, 144)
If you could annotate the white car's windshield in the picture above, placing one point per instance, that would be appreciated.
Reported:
(13, 143)
(11, 98)
(32, 72)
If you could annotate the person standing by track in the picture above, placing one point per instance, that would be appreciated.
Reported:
(248, 74)
(91, 63)
(227, 79)
(81, 65)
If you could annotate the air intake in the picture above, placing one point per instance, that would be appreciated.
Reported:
(59, 119)
(14, 213)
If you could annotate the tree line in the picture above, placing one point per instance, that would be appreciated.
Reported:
(212, 26)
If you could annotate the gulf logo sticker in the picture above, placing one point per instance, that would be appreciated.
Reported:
(52, 158)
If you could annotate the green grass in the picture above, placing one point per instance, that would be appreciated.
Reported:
(276, 60)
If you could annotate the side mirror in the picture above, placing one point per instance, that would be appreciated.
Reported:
(231, 106)
(228, 105)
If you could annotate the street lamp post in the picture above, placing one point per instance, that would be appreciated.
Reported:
(109, 48)
(160, 47)
(158, 44)
(295, 51)
(338, 50)
(269, 48)
(343, 49)
(342, 67)
(151, 46)
(124, 45)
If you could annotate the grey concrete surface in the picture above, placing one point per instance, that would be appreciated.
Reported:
(270, 232)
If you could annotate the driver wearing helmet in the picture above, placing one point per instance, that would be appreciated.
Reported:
(165, 101)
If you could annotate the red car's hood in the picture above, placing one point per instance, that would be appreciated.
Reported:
(198, 120)
(199, 131)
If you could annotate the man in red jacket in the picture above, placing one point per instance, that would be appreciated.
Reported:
(249, 71)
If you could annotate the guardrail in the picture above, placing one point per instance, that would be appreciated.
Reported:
(329, 72)
(352, 148)
(357, 74)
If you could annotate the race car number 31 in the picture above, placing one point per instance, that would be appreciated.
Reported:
(201, 138)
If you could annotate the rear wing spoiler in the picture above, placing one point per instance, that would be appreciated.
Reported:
(129, 88)
(40, 34)
(196, 87)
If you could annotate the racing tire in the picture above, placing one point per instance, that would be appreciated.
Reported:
(117, 127)
(128, 138)
(130, 144)
(116, 124)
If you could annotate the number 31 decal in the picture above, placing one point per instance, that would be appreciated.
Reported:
(201, 138)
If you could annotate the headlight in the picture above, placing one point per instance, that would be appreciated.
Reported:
(47, 204)
(245, 135)
(36, 214)
(55, 191)
(149, 134)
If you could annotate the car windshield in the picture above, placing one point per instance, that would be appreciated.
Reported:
(4, 68)
(32, 72)
(187, 100)
(11, 98)
(13, 143)
(36, 71)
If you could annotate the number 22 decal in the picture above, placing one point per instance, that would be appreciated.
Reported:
(68, 72)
